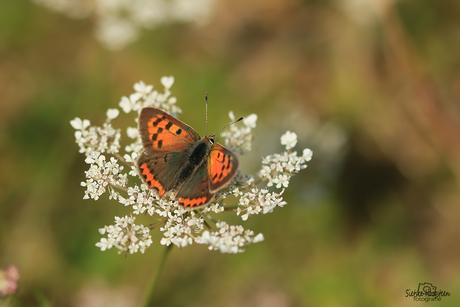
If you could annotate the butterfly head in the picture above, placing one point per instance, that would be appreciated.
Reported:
(209, 139)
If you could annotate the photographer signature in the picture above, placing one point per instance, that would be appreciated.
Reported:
(426, 290)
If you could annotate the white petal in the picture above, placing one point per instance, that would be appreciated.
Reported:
(134, 97)
(307, 154)
(289, 139)
(127, 158)
(132, 132)
(167, 81)
(148, 89)
(125, 104)
(112, 113)
(258, 238)
(85, 124)
(139, 86)
(172, 100)
(78, 135)
(76, 123)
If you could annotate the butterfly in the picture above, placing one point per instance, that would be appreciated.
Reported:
(177, 160)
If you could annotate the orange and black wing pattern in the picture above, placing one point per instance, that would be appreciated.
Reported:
(195, 192)
(166, 142)
(222, 167)
(160, 131)
(161, 170)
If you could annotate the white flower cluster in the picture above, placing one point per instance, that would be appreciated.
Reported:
(259, 200)
(126, 236)
(101, 175)
(229, 239)
(279, 168)
(100, 139)
(239, 139)
(118, 22)
(179, 226)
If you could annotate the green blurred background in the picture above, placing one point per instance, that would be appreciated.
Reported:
(372, 87)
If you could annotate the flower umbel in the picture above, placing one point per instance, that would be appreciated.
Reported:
(181, 227)
(125, 235)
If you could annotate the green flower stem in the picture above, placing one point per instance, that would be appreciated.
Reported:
(158, 224)
(207, 225)
(151, 289)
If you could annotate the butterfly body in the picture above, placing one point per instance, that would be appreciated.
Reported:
(176, 160)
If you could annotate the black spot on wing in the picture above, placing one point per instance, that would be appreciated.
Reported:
(157, 121)
(160, 143)
(168, 125)
(179, 131)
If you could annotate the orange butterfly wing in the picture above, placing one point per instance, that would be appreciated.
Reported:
(160, 131)
(195, 191)
(222, 167)
(166, 141)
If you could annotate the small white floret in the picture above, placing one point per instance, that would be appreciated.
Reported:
(289, 139)
(167, 82)
(112, 113)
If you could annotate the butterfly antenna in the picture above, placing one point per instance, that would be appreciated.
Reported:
(206, 98)
(241, 118)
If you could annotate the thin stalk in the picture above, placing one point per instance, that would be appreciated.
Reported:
(207, 225)
(119, 187)
(151, 289)
(158, 224)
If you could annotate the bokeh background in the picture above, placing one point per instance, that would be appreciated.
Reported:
(372, 87)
